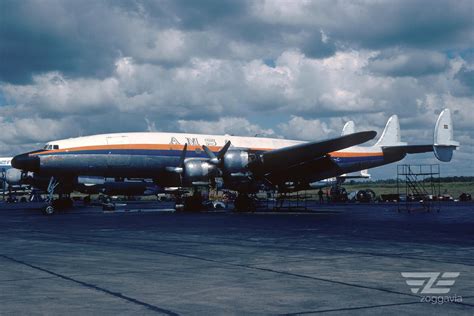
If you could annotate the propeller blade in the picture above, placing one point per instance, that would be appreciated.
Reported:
(209, 152)
(220, 155)
(180, 167)
(183, 156)
(223, 150)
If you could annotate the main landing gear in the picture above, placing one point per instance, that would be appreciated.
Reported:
(244, 203)
(52, 205)
(193, 203)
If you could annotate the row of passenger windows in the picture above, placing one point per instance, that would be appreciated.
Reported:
(51, 147)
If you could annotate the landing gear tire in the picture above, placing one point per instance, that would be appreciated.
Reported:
(49, 210)
(193, 203)
(63, 203)
(243, 203)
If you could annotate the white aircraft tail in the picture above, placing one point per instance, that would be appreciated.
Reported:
(443, 143)
(391, 133)
(443, 140)
(349, 128)
(362, 174)
(365, 174)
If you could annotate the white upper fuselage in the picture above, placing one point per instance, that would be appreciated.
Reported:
(173, 138)
(258, 143)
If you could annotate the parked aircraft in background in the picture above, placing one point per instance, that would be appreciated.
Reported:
(243, 163)
(5, 164)
(8, 175)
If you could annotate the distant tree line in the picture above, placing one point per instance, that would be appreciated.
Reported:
(452, 179)
(441, 179)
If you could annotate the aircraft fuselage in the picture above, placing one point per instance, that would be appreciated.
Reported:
(147, 155)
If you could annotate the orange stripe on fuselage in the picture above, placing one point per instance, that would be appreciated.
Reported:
(180, 147)
(133, 147)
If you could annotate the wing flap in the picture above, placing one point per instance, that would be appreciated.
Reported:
(283, 158)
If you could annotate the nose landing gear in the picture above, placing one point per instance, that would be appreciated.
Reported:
(52, 205)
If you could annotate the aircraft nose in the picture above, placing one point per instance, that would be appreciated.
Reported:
(26, 162)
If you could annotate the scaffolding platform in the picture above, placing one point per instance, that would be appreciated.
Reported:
(278, 201)
(418, 187)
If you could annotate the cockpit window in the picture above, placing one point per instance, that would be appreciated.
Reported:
(50, 147)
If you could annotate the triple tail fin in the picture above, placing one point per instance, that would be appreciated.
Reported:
(349, 128)
(444, 143)
(391, 133)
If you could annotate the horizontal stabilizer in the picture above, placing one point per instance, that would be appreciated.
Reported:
(292, 155)
(409, 149)
(363, 174)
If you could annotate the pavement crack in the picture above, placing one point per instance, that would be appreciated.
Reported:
(94, 287)
(246, 266)
(349, 308)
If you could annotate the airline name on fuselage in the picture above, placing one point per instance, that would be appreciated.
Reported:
(194, 141)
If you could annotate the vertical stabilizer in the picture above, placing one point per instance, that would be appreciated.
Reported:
(444, 143)
(391, 133)
(365, 174)
(349, 128)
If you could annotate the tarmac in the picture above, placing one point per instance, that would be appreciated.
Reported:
(145, 259)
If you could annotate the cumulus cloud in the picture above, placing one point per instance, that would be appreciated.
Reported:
(466, 77)
(34, 129)
(300, 128)
(52, 93)
(225, 125)
(374, 24)
(408, 63)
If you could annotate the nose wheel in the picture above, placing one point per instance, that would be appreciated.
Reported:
(48, 210)
(52, 204)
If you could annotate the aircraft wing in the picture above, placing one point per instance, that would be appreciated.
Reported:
(287, 157)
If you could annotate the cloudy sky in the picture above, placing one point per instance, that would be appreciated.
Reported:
(295, 69)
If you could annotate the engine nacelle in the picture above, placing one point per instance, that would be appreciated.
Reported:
(236, 172)
(236, 162)
(14, 176)
(198, 171)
